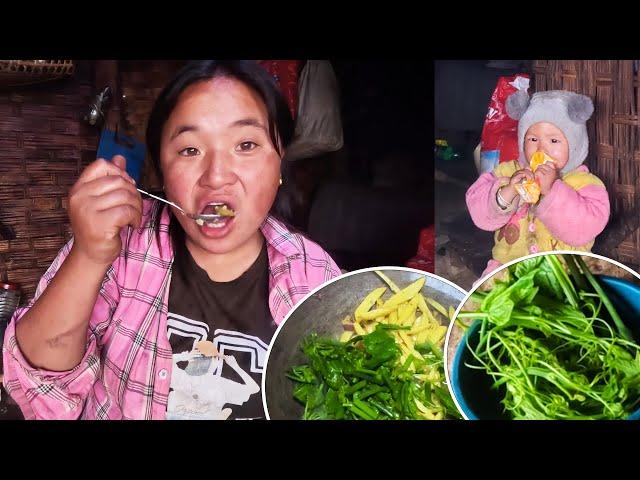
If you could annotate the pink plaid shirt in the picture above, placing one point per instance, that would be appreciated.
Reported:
(126, 370)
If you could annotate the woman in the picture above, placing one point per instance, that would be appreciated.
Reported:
(140, 282)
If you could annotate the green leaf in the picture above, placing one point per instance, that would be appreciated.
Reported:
(381, 346)
(522, 290)
(498, 288)
(500, 312)
(363, 379)
(524, 267)
(546, 279)
(303, 374)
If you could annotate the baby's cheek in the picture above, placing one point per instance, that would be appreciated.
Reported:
(562, 154)
(529, 150)
(561, 160)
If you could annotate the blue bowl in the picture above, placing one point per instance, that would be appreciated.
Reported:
(472, 388)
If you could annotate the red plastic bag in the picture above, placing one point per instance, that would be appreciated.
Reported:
(425, 258)
(500, 133)
(286, 73)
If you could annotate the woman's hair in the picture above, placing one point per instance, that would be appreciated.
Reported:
(254, 76)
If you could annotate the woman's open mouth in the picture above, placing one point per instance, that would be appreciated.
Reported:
(225, 214)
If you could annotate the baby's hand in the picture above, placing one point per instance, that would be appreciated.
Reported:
(546, 174)
(508, 192)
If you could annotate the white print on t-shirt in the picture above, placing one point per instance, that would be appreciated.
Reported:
(200, 391)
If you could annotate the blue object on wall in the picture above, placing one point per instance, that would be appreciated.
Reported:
(114, 143)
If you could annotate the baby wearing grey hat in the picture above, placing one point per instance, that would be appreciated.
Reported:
(546, 199)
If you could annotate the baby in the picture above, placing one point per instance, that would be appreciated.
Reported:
(547, 199)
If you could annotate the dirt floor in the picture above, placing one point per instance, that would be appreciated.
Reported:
(462, 249)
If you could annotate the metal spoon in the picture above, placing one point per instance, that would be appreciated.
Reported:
(203, 217)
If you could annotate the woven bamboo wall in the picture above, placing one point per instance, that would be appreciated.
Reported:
(614, 132)
(44, 145)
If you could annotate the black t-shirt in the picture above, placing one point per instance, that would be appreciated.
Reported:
(229, 318)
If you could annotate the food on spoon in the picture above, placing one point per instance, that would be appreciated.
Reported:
(224, 211)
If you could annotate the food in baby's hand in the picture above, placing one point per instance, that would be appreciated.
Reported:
(529, 190)
(539, 158)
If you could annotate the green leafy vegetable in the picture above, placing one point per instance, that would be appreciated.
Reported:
(555, 345)
(365, 379)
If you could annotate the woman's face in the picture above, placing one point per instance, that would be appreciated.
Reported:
(215, 149)
(547, 138)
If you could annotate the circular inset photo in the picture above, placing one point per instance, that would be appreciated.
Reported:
(366, 346)
(551, 336)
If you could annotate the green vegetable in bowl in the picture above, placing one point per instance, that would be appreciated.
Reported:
(388, 364)
(554, 344)
(364, 379)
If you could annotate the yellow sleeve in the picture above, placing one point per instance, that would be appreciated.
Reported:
(578, 180)
(506, 169)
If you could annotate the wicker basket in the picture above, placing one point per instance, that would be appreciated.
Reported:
(24, 72)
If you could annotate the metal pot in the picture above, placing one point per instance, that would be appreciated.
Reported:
(323, 313)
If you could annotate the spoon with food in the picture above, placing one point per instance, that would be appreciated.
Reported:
(221, 210)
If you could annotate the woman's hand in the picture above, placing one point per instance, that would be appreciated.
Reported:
(102, 201)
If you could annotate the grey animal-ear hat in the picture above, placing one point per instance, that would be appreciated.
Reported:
(568, 111)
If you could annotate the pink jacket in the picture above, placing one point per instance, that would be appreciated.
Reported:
(126, 369)
(570, 216)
